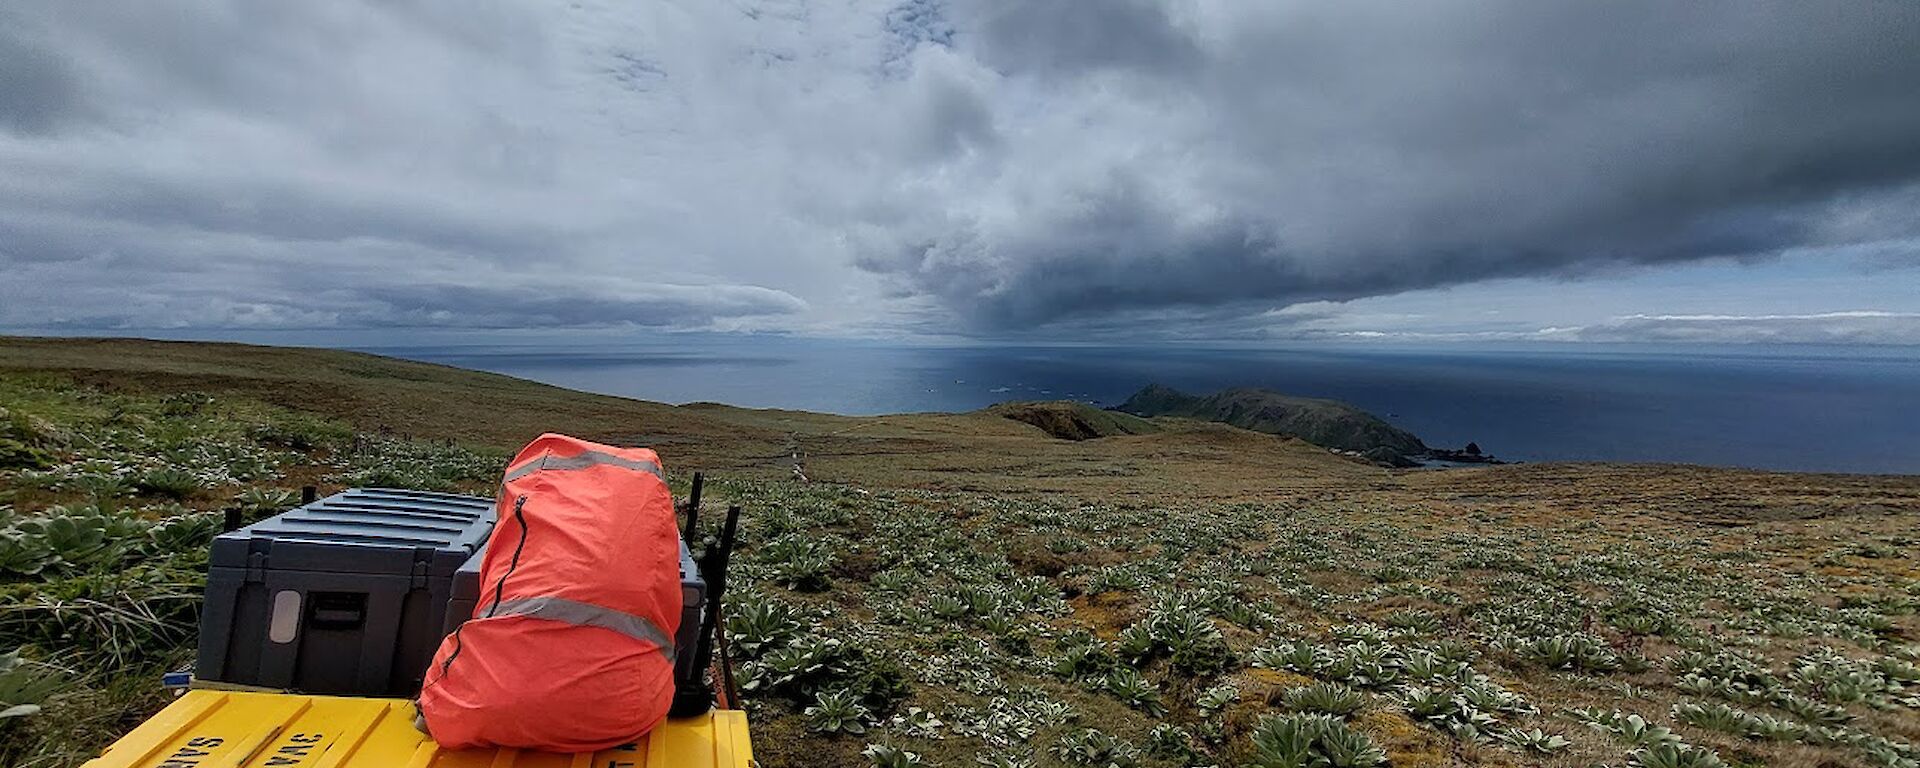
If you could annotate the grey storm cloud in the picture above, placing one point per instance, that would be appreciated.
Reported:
(1273, 153)
(993, 166)
(37, 89)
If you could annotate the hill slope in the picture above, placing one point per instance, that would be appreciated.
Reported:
(1073, 421)
(980, 591)
(938, 451)
(1328, 423)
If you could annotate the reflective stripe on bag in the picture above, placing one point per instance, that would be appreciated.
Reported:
(586, 615)
(583, 461)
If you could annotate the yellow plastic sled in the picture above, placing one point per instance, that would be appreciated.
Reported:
(229, 729)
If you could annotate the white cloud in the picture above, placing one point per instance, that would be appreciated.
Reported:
(1852, 327)
(988, 167)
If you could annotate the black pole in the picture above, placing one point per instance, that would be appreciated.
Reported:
(715, 569)
(692, 532)
(232, 521)
(726, 549)
(720, 632)
(308, 493)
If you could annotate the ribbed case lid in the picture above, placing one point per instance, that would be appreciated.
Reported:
(382, 529)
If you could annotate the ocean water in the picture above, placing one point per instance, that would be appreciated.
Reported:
(1796, 408)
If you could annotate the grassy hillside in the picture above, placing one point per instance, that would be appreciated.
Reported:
(1074, 421)
(1330, 423)
(974, 590)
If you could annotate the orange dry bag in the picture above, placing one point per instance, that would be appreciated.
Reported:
(570, 647)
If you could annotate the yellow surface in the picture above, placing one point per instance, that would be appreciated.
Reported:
(224, 729)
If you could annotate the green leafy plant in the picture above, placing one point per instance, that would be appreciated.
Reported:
(1325, 698)
(837, 712)
(1310, 741)
(980, 600)
(1065, 545)
(1136, 644)
(83, 537)
(104, 489)
(1364, 663)
(800, 667)
(24, 554)
(1342, 747)
(1428, 703)
(1429, 667)
(918, 723)
(1447, 711)
(1714, 716)
(1128, 685)
(1723, 665)
(947, 606)
(1217, 698)
(1095, 748)
(1000, 623)
(1643, 624)
(894, 580)
(1171, 742)
(1416, 620)
(1534, 740)
(1898, 670)
(23, 686)
(1181, 633)
(800, 563)
(880, 680)
(184, 533)
(266, 501)
(1082, 657)
(1003, 760)
(1630, 728)
(758, 624)
(1568, 652)
(19, 454)
(1774, 728)
(1813, 710)
(1244, 614)
(884, 756)
(380, 461)
(1675, 756)
(1286, 742)
(170, 482)
(77, 539)
(1454, 651)
(1301, 656)
(1485, 695)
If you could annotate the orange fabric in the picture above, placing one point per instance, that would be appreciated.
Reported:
(591, 530)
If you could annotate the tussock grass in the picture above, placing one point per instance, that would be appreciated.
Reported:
(103, 548)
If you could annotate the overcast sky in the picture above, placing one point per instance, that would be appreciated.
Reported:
(1692, 171)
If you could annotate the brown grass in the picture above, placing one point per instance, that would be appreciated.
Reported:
(1787, 525)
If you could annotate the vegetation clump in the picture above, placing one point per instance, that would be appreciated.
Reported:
(108, 503)
(1311, 741)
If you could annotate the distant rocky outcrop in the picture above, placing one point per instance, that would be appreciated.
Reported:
(1388, 457)
(1327, 423)
(1073, 421)
(1469, 455)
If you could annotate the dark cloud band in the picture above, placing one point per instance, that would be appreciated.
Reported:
(1309, 151)
(996, 167)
